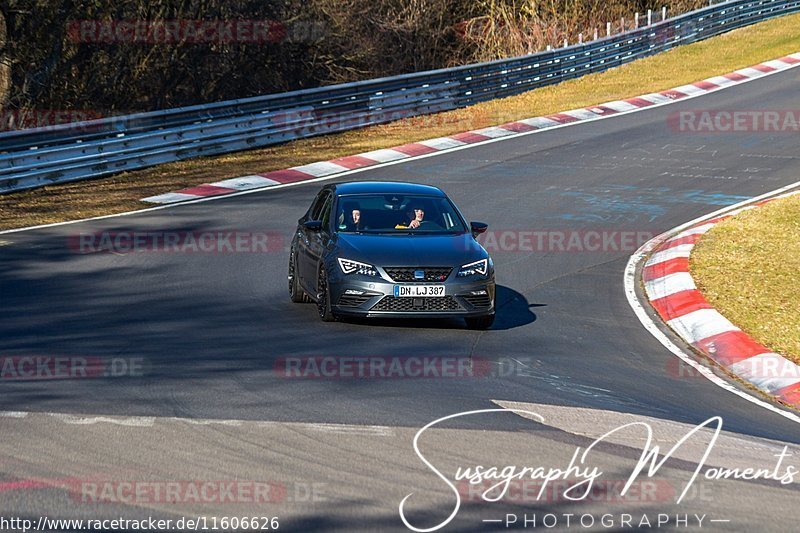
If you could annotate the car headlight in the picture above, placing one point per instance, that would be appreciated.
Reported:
(471, 269)
(349, 266)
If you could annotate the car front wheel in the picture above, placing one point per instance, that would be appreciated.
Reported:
(296, 294)
(324, 297)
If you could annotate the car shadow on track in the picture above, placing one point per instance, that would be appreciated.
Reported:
(513, 311)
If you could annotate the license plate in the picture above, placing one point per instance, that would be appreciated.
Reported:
(418, 291)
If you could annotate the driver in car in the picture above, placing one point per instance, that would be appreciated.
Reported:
(414, 217)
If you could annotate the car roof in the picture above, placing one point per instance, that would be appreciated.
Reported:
(386, 187)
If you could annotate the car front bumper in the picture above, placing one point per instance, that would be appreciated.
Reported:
(462, 298)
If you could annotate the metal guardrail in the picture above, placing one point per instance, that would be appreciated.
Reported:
(37, 157)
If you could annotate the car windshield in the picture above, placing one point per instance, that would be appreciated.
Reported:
(397, 213)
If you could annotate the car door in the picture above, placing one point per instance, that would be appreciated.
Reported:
(318, 242)
(306, 266)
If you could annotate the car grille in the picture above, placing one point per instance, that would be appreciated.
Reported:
(406, 274)
(392, 303)
(478, 302)
(353, 300)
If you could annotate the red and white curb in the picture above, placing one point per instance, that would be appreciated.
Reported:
(521, 127)
(674, 296)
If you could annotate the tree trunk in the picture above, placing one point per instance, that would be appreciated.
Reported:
(5, 64)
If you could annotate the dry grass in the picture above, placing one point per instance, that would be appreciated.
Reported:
(748, 267)
(734, 50)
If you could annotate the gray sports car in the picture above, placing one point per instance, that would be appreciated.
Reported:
(391, 249)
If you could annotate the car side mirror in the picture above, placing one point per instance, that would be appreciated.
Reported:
(478, 228)
(313, 225)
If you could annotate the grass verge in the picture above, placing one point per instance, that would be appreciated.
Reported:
(747, 268)
(731, 51)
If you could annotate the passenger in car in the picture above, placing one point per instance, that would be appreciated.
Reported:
(351, 218)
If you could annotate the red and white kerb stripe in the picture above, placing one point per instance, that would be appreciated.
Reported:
(673, 294)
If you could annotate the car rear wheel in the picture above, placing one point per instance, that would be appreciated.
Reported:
(297, 294)
(480, 322)
(324, 297)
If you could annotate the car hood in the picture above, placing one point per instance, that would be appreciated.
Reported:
(410, 250)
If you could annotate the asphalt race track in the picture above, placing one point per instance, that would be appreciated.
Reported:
(210, 330)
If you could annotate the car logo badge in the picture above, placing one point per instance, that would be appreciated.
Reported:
(419, 274)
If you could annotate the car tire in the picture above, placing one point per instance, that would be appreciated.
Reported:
(296, 294)
(480, 322)
(324, 297)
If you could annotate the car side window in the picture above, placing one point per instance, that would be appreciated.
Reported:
(326, 212)
(316, 207)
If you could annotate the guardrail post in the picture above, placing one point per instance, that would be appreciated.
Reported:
(664, 13)
(636, 21)
(565, 42)
(649, 17)
(622, 24)
(608, 29)
(595, 34)
(580, 38)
